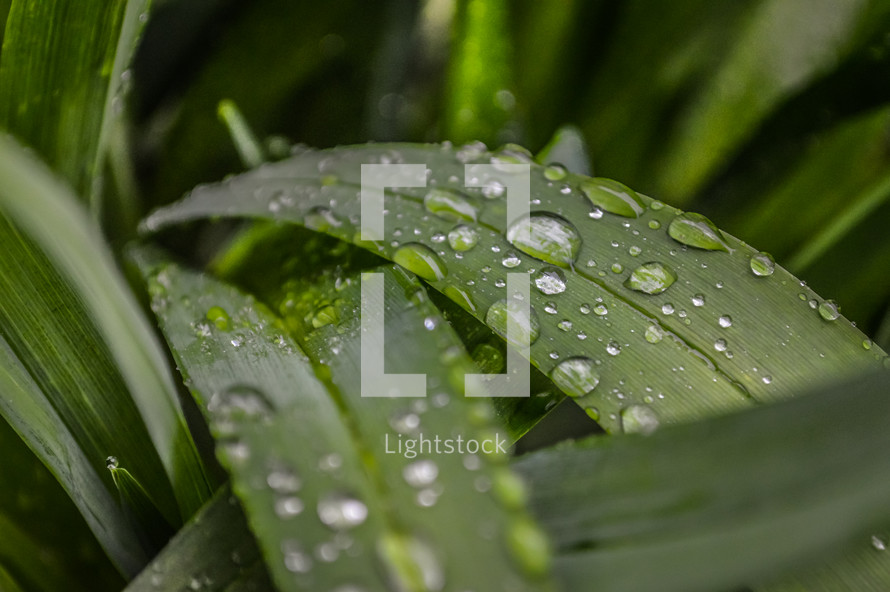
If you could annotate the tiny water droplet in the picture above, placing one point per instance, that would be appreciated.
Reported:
(219, 317)
(111, 462)
(720, 345)
(651, 278)
(654, 224)
(511, 260)
(725, 321)
(584, 309)
(422, 260)
(404, 422)
(575, 376)
(613, 348)
(879, 543)
(551, 280)
(698, 300)
(600, 310)
(697, 231)
(617, 268)
(321, 219)
(762, 264)
(667, 309)
(613, 197)
(547, 237)
(654, 333)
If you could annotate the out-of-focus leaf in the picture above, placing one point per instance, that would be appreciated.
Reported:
(481, 102)
(867, 567)
(345, 506)
(782, 46)
(720, 328)
(62, 69)
(568, 148)
(82, 341)
(773, 487)
(36, 510)
(214, 551)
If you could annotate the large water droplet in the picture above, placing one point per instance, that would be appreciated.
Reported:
(576, 376)
(450, 205)
(421, 260)
(651, 278)
(613, 197)
(829, 310)
(341, 511)
(551, 280)
(762, 264)
(524, 318)
(546, 237)
(638, 419)
(697, 231)
(462, 238)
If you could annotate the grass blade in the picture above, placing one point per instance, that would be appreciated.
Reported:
(214, 551)
(568, 148)
(400, 533)
(58, 89)
(720, 329)
(78, 267)
(810, 477)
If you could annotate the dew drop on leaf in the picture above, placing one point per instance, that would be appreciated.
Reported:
(725, 321)
(575, 376)
(219, 317)
(340, 511)
(697, 231)
(522, 317)
(638, 419)
(651, 278)
(420, 473)
(555, 172)
(462, 238)
(613, 197)
(547, 237)
(421, 260)
(550, 280)
(829, 310)
(450, 205)
(762, 264)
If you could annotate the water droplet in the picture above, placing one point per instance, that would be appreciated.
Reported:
(654, 224)
(564, 325)
(511, 260)
(283, 481)
(762, 264)
(697, 231)
(651, 278)
(634, 251)
(295, 560)
(234, 406)
(321, 219)
(523, 317)
(421, 260)
(613, 197)
(596, 213)
(767, 379)
(829, 310)
(462, 238)
(879, 543)
(555, 172)
(404, 422)
(600, 310)
(551, 280)
(725, 321)
(546, 237)
(638, 419)
(493, 189)
(288, 507)
(584, 309)
(667, 309)
(617, 268)
(219, 317)
(575, 376)
(460, 296)
(421, 473)
(720, 345)
(698, 300)
(866, 344)
(324, 315)
(654, 333)
(341, 511)
(509, 489)
(450, 205)
(530, 547)
(111, 462)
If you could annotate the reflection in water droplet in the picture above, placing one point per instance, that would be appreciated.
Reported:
(219, 317)
(651, 278)
(829, 310)
(697, 231)
(638, 419)
(340, 511)
(462, 238)
(613, 197)
(450, 205)
(421, 260)
(762, 264)
(575, 376)
(524, 318)
(551, 280)
(654, 333)
(511, 260)
(547, 237)
(555, 172)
